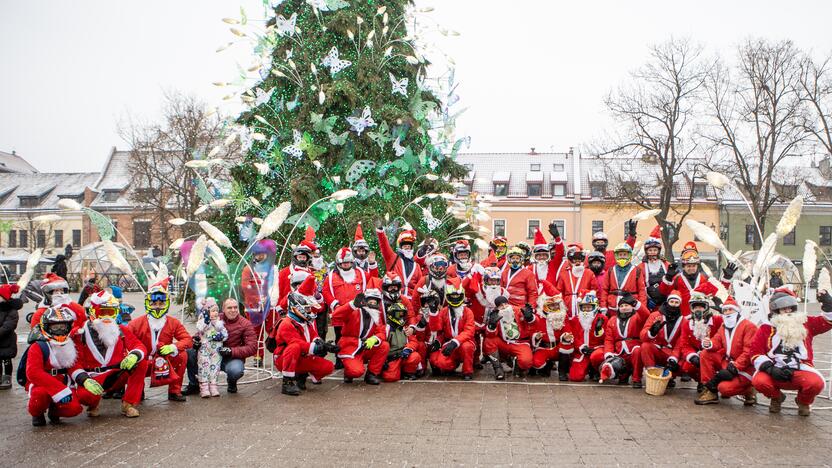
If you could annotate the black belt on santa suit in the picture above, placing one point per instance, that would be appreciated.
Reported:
(55, 372)
(100, 370)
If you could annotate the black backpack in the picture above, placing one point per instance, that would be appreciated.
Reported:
(21, 366)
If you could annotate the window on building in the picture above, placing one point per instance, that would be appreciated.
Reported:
(534, 225)
(469, 167)
(29, 202)
(463, 190)
(596, 190)
(110, 196)
(76, 238)
(535, 167)
(699, 191)
(59, 238)
(825, 237)
(597, 226)
(499, 228)
(23, 239)
(561, 225)
(750, 232)
(558, 190)
(557, 167)
(40, 239)
(789, 239)
(141, 234)
(12, 238)
(535, 190)
(500, 190)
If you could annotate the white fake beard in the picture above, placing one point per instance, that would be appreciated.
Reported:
(156, 324)
(437, 283)
(373, 313)
(586, 319)
(578, 270)
(556, 319)
(790, 328)
(60, 299)
(507, 315)
(700, 329)
(491, 293)
(731, 320)
(108, 333)
(347, 275)
(542, 269)
(463, 265)
(62, 355)
(317, 262)
(408, 254)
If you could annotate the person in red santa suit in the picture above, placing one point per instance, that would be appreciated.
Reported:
(50, 364)
(461, 264)
(600, 242)
(726, 367)
(403, 361)
(622, 342)
(56, 293)
(256, 282)
(588, 326)
(343, 284)
(111, 355)
(507, 336)
(661, 333)
(574, 278)
(365, 259)
(435, 279)
(453, 330)
(653, 268)
(544, 266)
(691, 276)
(391, 287)
(557, 251)
(298, 350)
(622, 279)
(363, 337)
(427, 248)
(401, 261)
(782, 351)
(497, 249)
(596, 262)
(482, 289)
(518, 280)
(698, 329)
(301, 260)
(551, 334)
(163, 336)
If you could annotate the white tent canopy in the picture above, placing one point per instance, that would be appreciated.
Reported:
(92, 258)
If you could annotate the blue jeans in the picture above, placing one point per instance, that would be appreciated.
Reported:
(233, 368)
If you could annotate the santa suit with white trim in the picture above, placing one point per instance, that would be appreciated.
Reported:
(462, 265)
(102, 360)
(363, 335)
(551, 334)
(730, 349)
(366, 264)
(301, 261)
(56, 293)
(661, 332)
(435, 279)
(519, 281)
(622, 279)
(683, 281)
(403, 359)
(454, 327)
(401, 261)
(589, 327)
(653, 268)
(507, 334)
(784, 358)
(697, 329)
(623, 339)
(544, 265)
(297, 343)
(574, 278)
(343, 284)
(481, 297)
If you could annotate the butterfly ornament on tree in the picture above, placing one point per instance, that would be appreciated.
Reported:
(399, 86)
(261, 97)
(431, 222)
(295, 148)
(381, 137)
(362, 122)
(334, 62)
(286, 26)
(398, 148)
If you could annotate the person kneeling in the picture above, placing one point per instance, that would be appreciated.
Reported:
(454, 329)
(403, 361)
(622, 342)
(552, 337)
(363, 337)
(506, 336)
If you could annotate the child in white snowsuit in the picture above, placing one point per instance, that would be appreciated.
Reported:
(212, 333)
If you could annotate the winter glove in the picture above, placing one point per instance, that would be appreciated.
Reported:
(93, 387)
(729, 270)
(783, 374)
(724, 375)
(553, 230)
(197, 342)
(379, 225)
(406, 352)
(331, 347)
(319, 349)
(672, 271)
(656, 327)
(449, 348)
(271, 344)
(359, 301)
(585, 350)
(205, 317)
(65, 399)
(371, 342)
(672, 365)
(167, 349)
(225, 351)
(825, 299)
(631, 227)
(528, 312)
(129, 362)
(733, 369)
(434, 346)
(423, 323)
(218, 337)
(493, 318)
(694, 360)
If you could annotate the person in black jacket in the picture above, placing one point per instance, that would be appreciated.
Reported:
(59, 267)
(8, 338)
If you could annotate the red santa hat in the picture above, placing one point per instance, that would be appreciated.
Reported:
(540, 244)
(159, 286)
(407, 236)
(655, 239)
(548, 291)
(51, 282)
(359, 238)
(674, 295)
(707, 289)
(7, 290)
(308, 287)
(690, 253)
(731, 304)
(344, 255)
(309, 239)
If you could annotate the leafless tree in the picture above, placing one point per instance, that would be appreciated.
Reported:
(161, 180)
(656, 144)
(815, 90)
(758, 120)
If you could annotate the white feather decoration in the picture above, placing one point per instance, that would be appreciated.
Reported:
(197, 255)
(705, 234)
(69, 204)
(31, 263)
(274, 293)
(218, 236)
(810, 261)
(721, 292)
(707, 270)
(646, 214)
(824, 282)
(115, 257)
(48, 218)
(717, 180)
(481, 244)
(764, 255)
(215, 253)
(160, 273)
(790, 217)
(175, 245)
(274, 220)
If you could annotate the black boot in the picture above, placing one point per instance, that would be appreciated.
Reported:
(338, 364)
(290, 387)
(53, 415)
(190, 389)
(498, 368)
(546, 371)
(232, 387)
(39, 420)
(302, 381)
(371, 379)
(564, 363)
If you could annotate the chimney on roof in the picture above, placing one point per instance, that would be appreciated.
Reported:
(14, 152)
(532, 151)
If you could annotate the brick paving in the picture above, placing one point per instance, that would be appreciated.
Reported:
(426, 423)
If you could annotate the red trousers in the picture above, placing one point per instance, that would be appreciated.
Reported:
(291, 362)
(132, 382)
(179, 364)
(541, 356)
(693, 371)
(710, 363)
(580, 364)
(521, 351)
(375, 357)
(807, 383)
(463, 354)
(421, 348)
(40, 401)
(652, 355)
(408, 365)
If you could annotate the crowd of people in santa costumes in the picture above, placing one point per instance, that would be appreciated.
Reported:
(550, 307)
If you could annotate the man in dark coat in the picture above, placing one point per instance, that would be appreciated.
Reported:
(9, 306)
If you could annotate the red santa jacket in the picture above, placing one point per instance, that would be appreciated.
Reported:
(735, 345)
(77, 309)
(171, 330)
(38, 372)
(94, 362)
(357, 326)
(767, 345)
(450, 326)
(523, 328)
(585, 334)
(542, 334)
(284, 281)
(624, 336)
(570, 287)
(547, 272)
(612, 290)
(392, 262)
(336, 291)
(476, 299)
(425, 283)
(681, 284)
(288, 332)
(521, 286)
(688, 345)
(664, 338)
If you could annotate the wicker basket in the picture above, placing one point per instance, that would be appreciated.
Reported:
(656, 382)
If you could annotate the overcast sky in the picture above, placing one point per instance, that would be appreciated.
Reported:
(533, 73)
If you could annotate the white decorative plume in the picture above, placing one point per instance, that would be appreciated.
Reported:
(824, 283)
(177, 221)
(215, 253)
(160, 272)
(810, 260)
(481, 244)
(707, 270)
(31, 263)
(646, 214)
(115, 257)
(764, 255)
(717, 180)
(218, 236)
(197, 255)
(274, 220)
(790, 217)
(721, 292)
(69, 204)
(175, 245)
(705, 234)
